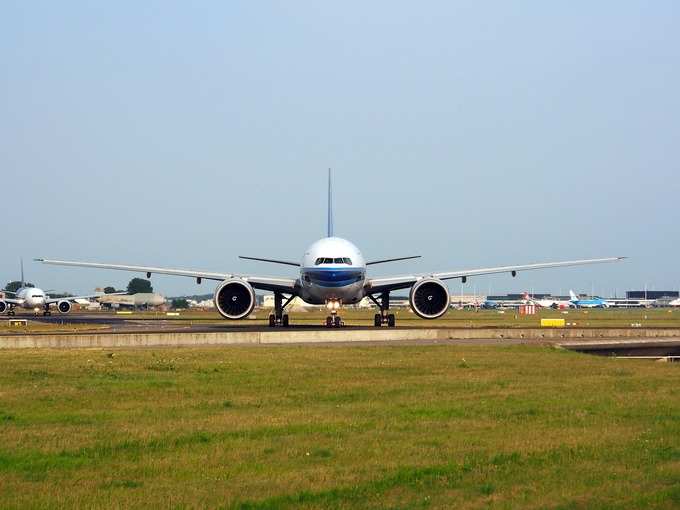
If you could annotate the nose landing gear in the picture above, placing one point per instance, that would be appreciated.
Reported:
(334, 320)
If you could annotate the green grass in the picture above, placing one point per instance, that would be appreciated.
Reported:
(337, 427)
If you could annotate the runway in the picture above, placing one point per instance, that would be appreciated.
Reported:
(112, 331)
(118, 324)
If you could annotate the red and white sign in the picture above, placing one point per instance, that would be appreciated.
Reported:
(527, 309)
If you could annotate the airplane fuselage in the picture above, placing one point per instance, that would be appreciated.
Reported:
(332, 270)
(31, 297)
(590, 303)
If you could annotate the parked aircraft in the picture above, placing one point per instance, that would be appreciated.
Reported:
(548, 303)
(594, 302)
(139, 300)
(332, 272)
(36, 299)
(675, 302)
(489, 304)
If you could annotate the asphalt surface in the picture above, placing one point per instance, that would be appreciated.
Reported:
(123, 324)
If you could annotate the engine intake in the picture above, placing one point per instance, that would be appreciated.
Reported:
(3, 307)
(234, 299)
(64, 306)
(429, 298)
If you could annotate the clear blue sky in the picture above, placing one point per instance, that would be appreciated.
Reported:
(472, 133)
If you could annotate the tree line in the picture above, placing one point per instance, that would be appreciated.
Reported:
(135, 286)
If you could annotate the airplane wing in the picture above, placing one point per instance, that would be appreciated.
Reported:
(286, 285)
(51, 300)
(12, 301)
(375, 285)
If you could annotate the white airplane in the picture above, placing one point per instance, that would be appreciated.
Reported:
(332, 272)
(33, 298)
(559, 304)
(675, 302)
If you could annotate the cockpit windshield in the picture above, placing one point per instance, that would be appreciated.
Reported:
(336, 260)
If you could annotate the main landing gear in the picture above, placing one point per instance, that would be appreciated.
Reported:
(11, 311)
(278, 318)
(384, 317)
(333, 320)
(47, 311)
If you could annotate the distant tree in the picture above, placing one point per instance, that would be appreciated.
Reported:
(13, 286)
(109, 290)
(139, 285)
(180, 303)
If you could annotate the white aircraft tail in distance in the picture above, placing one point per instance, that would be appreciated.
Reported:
(331, 272)
(35, 299)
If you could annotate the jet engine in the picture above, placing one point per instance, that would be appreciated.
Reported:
(3, 307)
(429, 298)
(234, 299)
(64, 306)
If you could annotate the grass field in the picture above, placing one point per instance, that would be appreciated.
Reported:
(338, 427)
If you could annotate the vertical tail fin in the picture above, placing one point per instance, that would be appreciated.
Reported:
(573, 295)
(330, 206)
(21, 262)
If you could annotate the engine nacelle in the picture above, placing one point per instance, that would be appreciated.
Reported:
(429, 298)
(64, 306)
(234, 299)
(3, 306)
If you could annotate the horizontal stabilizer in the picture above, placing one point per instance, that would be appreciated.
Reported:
(273, 261)
(391, 260)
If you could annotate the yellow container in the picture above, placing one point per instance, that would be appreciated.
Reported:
(552, 323)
